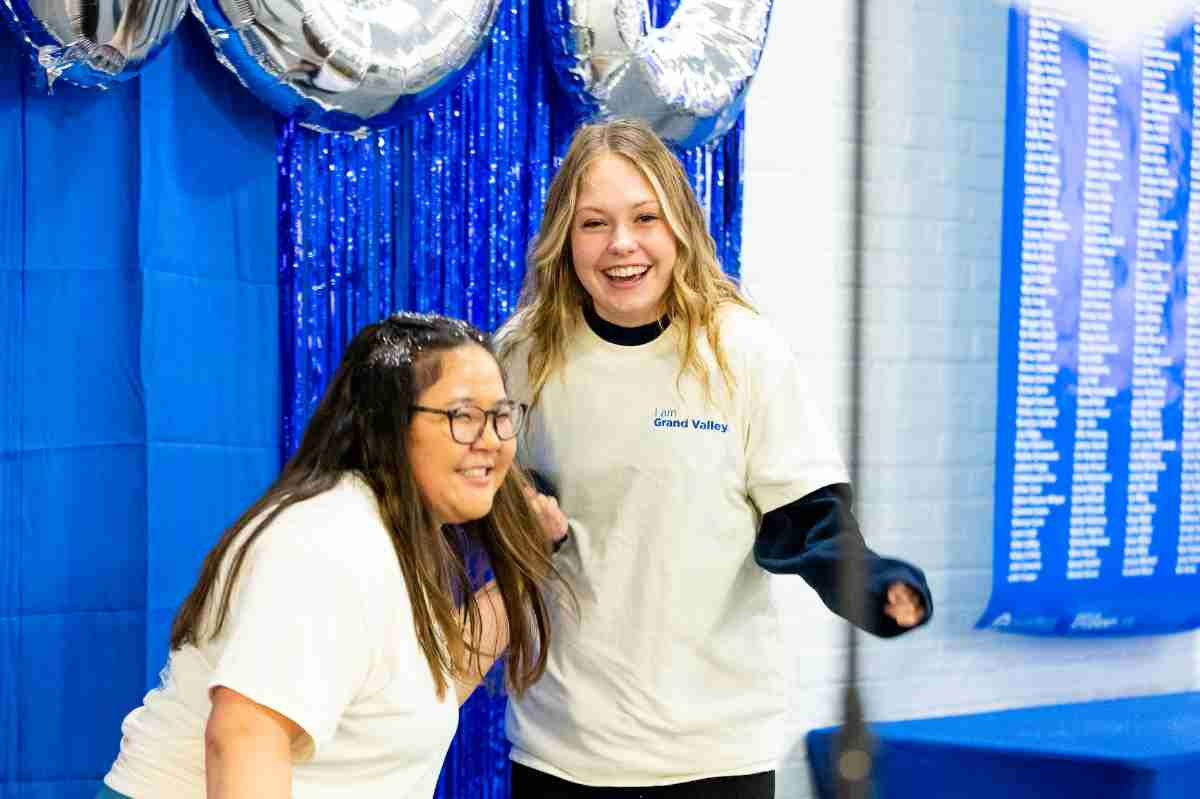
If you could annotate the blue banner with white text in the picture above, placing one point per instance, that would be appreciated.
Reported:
(1097, 502)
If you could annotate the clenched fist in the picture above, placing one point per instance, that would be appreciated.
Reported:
(904, 605)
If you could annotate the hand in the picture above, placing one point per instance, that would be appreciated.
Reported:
(904, 605)
(551, 518)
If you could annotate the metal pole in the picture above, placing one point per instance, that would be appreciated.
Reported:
(853, 747)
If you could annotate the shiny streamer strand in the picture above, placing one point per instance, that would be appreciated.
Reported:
(436, 216)
(336, 234)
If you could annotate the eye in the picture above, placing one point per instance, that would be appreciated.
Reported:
(592, 223)
(648, 218)
(467, 413)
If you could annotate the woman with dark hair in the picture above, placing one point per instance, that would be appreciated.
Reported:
(333, 625)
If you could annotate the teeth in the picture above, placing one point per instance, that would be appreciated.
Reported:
(477, 472)
(626, 271)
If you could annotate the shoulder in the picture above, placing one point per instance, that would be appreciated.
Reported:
(512, 353)
(349, 506)
(738, 322)
(513, 335)
(512, 344)
(749, 339)
(339, 531)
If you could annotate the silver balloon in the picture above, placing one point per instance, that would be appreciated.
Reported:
(92, 43)
(347, 64)
(688, 79)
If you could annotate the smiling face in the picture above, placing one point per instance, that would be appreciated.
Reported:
(459, 481)
(622, 248)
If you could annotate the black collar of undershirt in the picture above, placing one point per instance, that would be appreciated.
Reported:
(623, 336)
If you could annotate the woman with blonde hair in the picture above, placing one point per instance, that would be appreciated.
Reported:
(333, 632)
(675, 423)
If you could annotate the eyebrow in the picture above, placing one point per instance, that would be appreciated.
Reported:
(593, 208)
(472, 400)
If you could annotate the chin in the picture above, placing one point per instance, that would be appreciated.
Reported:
(622, 308)
(462, 515)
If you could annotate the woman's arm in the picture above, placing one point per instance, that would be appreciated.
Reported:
(812, 535)
(247, 748)
(492, 637)
(491, 640)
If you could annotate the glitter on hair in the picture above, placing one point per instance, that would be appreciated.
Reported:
(403, 336)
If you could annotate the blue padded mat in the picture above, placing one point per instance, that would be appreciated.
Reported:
(1143, 748)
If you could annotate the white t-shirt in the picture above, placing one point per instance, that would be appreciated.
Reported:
(670, 672)
(319, 629)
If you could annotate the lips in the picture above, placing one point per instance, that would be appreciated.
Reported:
(625, 273)
(481, 475)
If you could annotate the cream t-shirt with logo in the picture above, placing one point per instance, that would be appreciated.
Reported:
(669, 672)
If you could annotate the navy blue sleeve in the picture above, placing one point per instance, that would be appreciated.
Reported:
(806, 537)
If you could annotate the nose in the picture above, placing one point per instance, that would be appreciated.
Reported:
(488, 440)
(622, 241)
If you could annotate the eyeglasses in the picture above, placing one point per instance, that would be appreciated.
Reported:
(466, 423)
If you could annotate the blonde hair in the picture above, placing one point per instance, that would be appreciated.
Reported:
(552, 296)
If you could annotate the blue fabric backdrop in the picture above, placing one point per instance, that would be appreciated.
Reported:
(139, 391)
(173, 274)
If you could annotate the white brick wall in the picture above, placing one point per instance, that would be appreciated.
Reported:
(936, 76)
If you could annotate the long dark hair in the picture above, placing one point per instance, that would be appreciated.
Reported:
(360, 426)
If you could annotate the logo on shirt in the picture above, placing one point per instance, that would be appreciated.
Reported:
(670, 418)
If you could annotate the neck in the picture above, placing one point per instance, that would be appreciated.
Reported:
(621, 335)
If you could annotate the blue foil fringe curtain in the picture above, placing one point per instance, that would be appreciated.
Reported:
(435, 216)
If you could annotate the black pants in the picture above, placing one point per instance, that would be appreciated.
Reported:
(528, 783)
